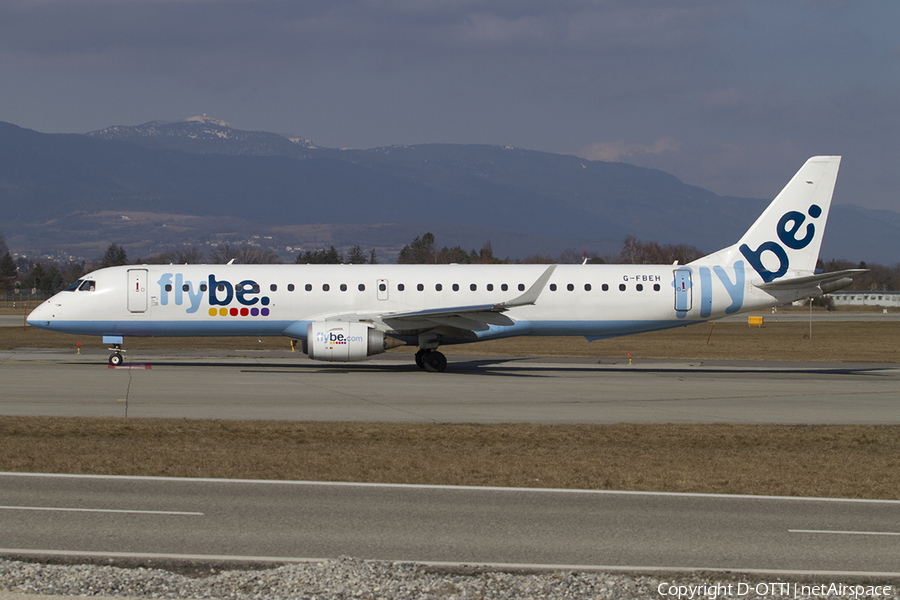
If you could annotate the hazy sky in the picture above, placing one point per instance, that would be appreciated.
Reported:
(731, 96)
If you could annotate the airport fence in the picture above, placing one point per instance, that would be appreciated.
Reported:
(22, 301)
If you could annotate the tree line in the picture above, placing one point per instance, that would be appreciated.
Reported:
(49, 277)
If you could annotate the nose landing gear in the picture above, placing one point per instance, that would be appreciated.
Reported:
(116, 358)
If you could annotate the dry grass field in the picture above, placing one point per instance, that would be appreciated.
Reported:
(819, 461)
(826, 461)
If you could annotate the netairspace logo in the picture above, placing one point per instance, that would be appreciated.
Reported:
(779, 589)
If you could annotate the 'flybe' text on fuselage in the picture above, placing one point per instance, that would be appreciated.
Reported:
(174, 288)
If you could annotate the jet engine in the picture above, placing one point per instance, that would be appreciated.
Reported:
(345, 342)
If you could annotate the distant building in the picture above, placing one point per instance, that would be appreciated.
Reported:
(857, 298)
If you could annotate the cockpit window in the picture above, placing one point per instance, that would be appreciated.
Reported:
(87, 286)
(74, 285)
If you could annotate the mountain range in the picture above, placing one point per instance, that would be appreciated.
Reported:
(201, 182)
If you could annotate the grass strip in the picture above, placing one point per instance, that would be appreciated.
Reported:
(788, 460)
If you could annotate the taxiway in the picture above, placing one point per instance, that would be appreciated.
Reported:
(259, 522)
(285, 386)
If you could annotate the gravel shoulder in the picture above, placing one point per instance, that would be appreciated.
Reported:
(354, 578)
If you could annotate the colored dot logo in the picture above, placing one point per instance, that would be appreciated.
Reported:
(243, 312)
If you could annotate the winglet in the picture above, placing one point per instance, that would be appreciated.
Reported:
(531, 294)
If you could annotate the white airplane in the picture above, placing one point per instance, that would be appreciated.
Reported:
(350, 312)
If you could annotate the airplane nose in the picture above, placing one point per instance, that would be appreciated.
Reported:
(40, 316)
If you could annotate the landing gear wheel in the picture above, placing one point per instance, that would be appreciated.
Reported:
(419, 356)
(116, 359)
(434, 362)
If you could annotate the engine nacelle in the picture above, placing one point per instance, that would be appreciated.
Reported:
(344, 342)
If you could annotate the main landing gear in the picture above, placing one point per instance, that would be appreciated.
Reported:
(431, 360)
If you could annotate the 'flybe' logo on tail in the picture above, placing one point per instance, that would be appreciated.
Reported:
(788, 226)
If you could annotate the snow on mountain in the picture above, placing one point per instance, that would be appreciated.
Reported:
(207, 120)
(205, 135)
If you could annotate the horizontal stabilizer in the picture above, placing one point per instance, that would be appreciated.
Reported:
(810, 281)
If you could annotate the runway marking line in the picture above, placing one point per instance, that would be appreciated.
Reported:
(129, 367)
(844, 532)
(462, 488)
(105, 510)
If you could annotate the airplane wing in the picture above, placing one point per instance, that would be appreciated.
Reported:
(821, 280)
(477, 317)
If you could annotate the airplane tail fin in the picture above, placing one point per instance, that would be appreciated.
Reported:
(786, 238)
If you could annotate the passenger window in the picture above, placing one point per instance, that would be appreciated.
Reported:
(420, 287)
(655, 287)
(521, 287)
(473, 287)
(490, 287)
(290, 287)
(220, 287)
(604, 287)
(438, 287)
(570, 287)
(238, 287)
(382, 287)
(273, 288)
(185, 288)
(639, 287)
(169, 287)
(203, 287)
(504, 287)
(621, 287)
(325, 287)
(343, 287)
(308, 287)
(587, 287)
(362, 287)
(255, 288)
(455, 287)
(400, 287)
(552, 287)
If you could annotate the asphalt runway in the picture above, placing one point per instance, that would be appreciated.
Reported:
(183, 520)
(280, 385)
(255, 521)
(12, 321)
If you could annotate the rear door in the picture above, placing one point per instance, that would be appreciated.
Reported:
(682, 290)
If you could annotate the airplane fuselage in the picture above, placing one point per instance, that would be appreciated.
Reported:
(595, 301)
